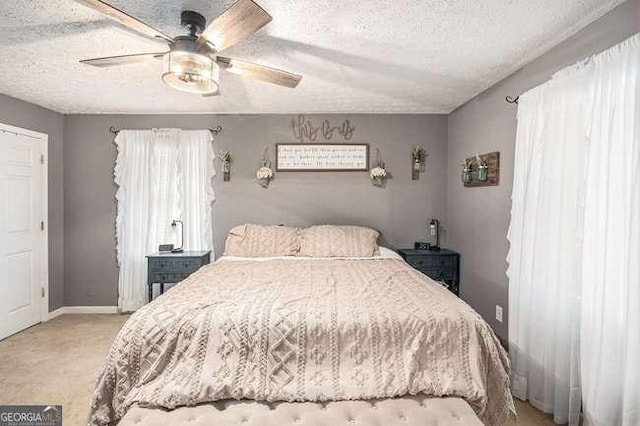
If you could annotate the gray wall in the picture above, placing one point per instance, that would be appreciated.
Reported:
(478, 218)
(400, 211)
(32, 117)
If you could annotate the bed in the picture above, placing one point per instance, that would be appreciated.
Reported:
(304, 334)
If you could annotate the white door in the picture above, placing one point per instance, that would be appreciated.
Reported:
(22, 236)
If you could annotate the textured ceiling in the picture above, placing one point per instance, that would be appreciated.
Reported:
(413, 56)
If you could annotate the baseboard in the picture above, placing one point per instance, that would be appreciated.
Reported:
(56, 313)
(91, 309)
(83, 310)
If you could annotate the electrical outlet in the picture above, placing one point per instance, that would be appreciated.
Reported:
(498, 313)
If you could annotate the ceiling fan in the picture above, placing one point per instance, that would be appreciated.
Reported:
(192, 63)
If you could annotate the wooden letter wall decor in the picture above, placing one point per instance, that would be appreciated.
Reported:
(305, 131)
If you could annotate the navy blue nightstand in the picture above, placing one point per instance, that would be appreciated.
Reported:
(442, 266)
(166, 267)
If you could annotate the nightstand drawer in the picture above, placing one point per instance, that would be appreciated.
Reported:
(164, 277)
(187, 265)
(439, 274)
(431, 261)
(161, 265)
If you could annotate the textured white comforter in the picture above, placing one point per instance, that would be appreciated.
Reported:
(313, 330)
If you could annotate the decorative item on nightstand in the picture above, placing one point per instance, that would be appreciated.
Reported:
(173, 225)
(166, 267)
(434, 233)
(442, 266)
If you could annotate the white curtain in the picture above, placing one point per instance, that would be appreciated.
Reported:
(610, 335)
(544, 269)
(161, 175)
(574, 328)
(195, 167)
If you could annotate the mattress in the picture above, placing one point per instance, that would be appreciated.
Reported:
(312, 330)
(405, 411)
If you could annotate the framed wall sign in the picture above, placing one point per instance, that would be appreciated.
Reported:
(321, 157)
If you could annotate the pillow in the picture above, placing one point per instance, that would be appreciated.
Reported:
(338, 241)
(262, 241)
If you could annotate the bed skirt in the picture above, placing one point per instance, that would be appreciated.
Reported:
(405, 411)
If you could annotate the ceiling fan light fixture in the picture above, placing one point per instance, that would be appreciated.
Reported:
(190, 72)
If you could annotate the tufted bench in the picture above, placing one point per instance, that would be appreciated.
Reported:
(405, 411)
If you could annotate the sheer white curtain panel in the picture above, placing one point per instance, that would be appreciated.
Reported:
(574, 295)
(162, 175)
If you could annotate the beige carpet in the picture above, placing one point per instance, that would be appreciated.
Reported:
(57, 363)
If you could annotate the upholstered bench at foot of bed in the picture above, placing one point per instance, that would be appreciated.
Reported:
(405, 411)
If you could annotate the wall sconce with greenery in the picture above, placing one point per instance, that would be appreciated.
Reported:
(265, 175)
(225, 159)
(467, 176)
(481, 170)
(418, 155)
(379, 174)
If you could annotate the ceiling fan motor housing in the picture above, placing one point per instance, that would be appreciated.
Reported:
(187, 43)
(194, 22)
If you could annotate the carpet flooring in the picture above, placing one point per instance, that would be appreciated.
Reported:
(57, 362)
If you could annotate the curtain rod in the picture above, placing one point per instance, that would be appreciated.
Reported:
(512, 100)
(215, 131)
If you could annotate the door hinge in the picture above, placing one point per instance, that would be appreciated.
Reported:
(42, 225)
(42, 292)
(41, 158)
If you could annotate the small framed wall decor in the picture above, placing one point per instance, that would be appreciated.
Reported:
(481, 170)
(307, 157)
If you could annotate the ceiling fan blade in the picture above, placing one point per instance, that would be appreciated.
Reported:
(122, 59)
(124, 18)
(238, 22)
(209, 95)
(260, 72)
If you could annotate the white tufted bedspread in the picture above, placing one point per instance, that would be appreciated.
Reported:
(313, 330)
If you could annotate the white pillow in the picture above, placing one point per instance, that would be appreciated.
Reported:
(338, 241)
(262, 241)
